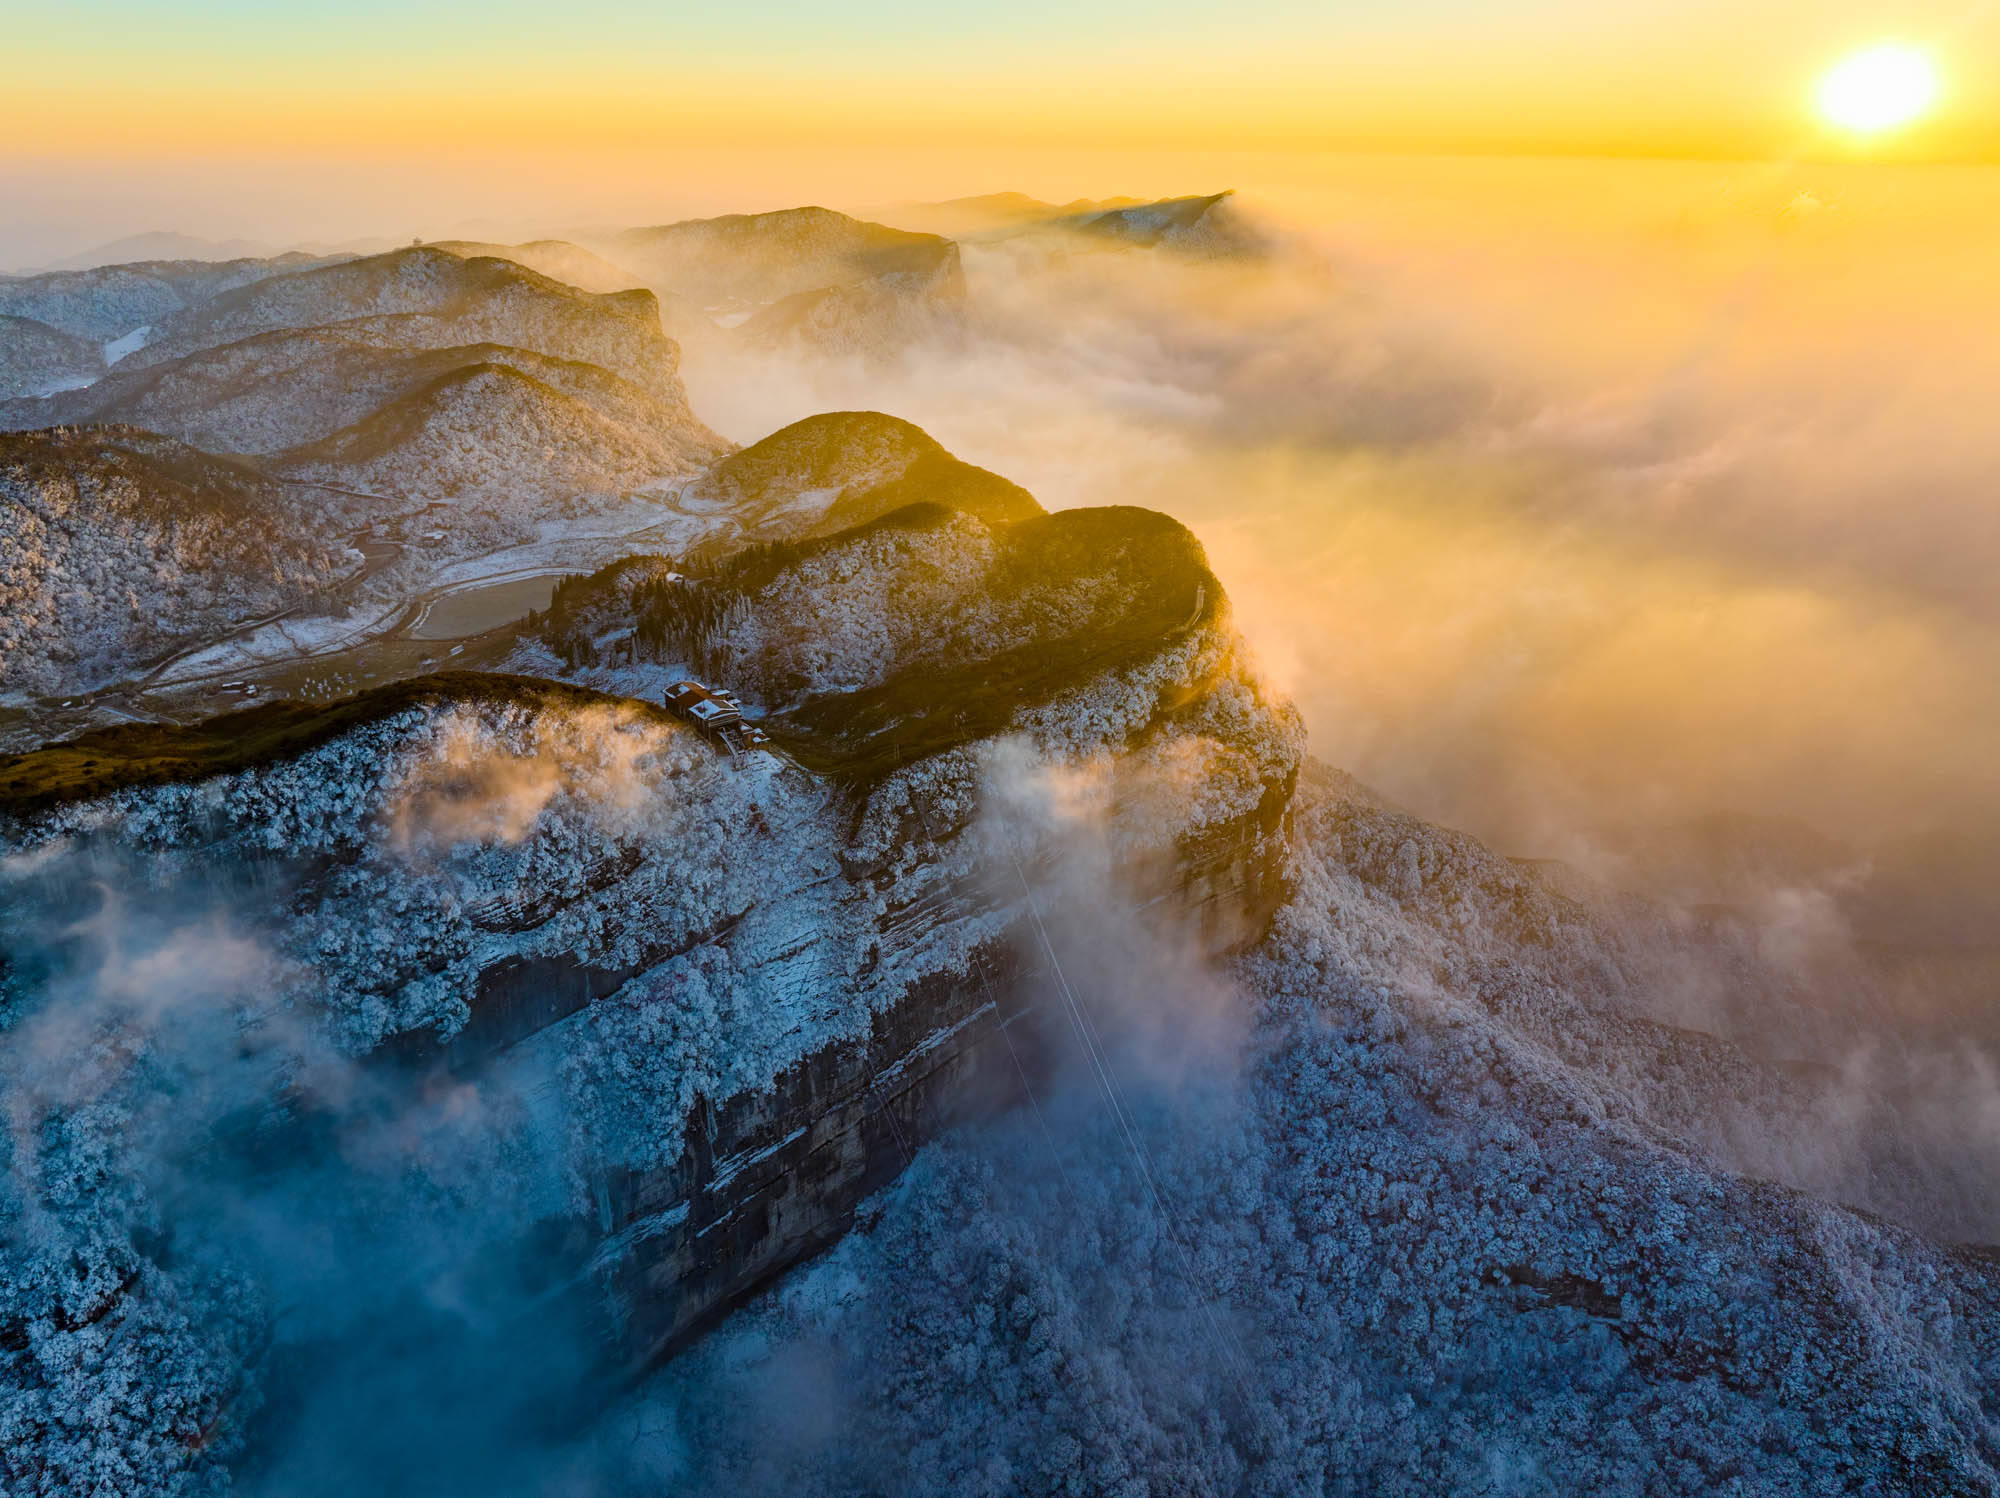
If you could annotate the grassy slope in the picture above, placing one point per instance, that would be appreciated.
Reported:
(931, 707)
(840, 449)
(138, 754)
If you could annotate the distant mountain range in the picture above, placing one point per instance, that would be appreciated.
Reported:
(167, 244)
(1201, 225)
(494, 388)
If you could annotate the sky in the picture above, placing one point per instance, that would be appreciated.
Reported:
(223, 105)
(1639, 444)
(1705, 77)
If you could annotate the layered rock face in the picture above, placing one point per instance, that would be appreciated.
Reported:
(753, 988)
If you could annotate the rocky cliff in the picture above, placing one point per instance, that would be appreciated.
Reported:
(755, 987)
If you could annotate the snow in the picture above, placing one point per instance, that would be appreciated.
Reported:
(1448, 1214)
(58, 387)
(131, 343)
(284, 642)
(1397, 1241)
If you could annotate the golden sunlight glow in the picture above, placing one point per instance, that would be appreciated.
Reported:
(1879, 89)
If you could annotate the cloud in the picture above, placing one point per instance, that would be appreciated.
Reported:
(1566, 502)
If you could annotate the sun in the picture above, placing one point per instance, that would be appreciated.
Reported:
(1879, 89)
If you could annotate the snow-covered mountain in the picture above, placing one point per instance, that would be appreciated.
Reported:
(1275, 1135)
(590, 892)
(841, 468)
(1456, 1217)
(290, 388)
(427, 298)
(118, 545)
(557, 259)
(306, 341)
(1199, 226)
(1202, 226)
(517, 436)
(1028, 1072)
(501, 401)
(993, 214)
(107, 302)
(801, 279)
(38, 360)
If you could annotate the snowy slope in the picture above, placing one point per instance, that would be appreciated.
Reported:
(1437, 1227)
(385, 874)
(290, 388)
(37, 360)
(109, 301)
(519, 442)
(119, 545)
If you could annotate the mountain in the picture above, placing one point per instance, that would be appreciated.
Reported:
(118, 545)
(508, 432)
(841, 468)
(111, 301)
(1463, 1216)
(427, 298)
(756, 258)
(418, 379)
(1205, 226)
(805, 278)
(1035, 1040)
(994, 214)
(420, 376)
(288, 389)
(164, 244)
(38, 360)
(552, 922)
(913, 634)
(555, 258)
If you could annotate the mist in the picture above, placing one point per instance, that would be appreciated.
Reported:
(1570, 500)
(1637, 516)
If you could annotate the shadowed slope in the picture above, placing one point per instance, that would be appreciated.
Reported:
(117, 545)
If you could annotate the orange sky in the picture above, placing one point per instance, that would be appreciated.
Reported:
(103, 79)
(313, 122)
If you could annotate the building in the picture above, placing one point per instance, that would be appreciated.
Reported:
(710, 708)
(717, 713)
